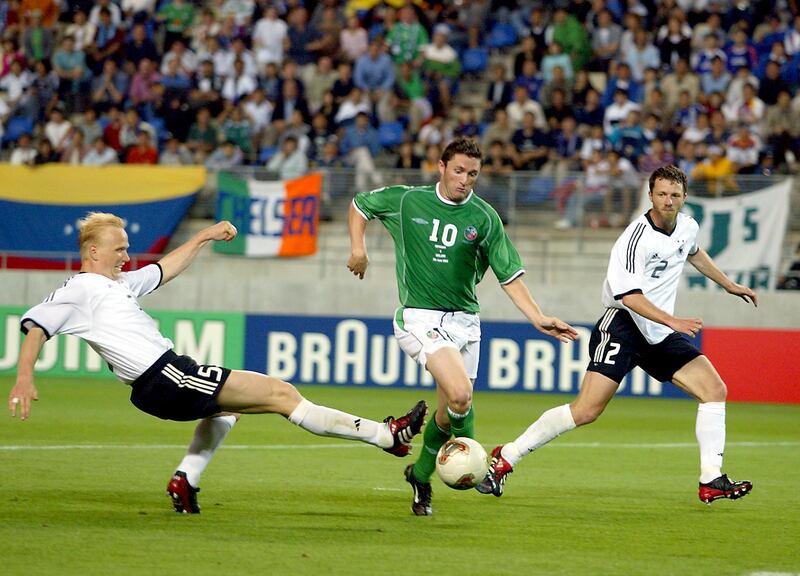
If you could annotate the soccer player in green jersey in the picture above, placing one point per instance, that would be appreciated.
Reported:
(445, 238)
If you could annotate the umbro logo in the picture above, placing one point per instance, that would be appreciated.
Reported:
(419, 221)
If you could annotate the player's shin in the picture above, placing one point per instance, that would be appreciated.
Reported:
(550, 425)
(710, 431)
(208, 435)
(462, 424)
(324, 421)
(433, 439)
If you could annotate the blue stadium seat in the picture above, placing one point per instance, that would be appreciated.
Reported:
(474, 60)
(502, 36)
(17, 126)
(390, 134)
(266, 153)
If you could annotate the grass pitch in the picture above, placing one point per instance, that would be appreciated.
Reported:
(82, 492)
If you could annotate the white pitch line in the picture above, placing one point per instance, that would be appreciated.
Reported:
(341, 445)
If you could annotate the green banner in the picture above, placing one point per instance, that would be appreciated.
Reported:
(208, 337)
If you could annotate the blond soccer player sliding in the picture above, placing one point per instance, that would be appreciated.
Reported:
(100, 305)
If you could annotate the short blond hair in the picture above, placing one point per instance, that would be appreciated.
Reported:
(92, 225)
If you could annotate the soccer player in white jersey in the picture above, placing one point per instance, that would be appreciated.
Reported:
(445, 238)
(100, 306)
(638, 328)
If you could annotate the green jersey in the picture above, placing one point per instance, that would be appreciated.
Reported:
(442, 248)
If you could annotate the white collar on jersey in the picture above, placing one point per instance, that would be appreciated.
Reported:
(450, 202)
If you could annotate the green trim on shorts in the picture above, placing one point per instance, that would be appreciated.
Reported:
(398, 317)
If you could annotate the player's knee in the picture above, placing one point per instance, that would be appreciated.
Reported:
(715, 392)
(460, 401)
(583, 415)
(284, 394)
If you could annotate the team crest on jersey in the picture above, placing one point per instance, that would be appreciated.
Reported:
(470, 233)
(432, 334)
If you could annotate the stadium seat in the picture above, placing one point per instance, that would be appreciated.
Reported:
(390, 134)
(266, 153)
(17, 126)
(502, 36)
(474, 60)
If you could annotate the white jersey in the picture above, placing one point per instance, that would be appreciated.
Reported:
(648, 260)
(106, 314)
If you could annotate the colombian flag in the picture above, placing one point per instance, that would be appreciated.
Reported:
(278, 218)
(41, 207)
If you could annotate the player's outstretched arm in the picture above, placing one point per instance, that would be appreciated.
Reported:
(706, 266)
(639, 303)
(357, 226)
(179, 259)
(24, 391)
(550, 325)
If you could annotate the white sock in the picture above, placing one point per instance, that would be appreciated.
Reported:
(324, 421)
(208, 435)
(550, 425)
(710, 430)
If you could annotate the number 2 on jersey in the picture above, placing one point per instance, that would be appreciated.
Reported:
(449, 233)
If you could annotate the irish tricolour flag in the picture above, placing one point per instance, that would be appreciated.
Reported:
(279, 218)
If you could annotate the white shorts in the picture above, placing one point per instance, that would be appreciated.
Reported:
(423, 332)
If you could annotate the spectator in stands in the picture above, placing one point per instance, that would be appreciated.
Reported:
(749, 108)
(100, 154)
(112, 7)
(407, 38)
(143, 152)
(236, 127)
(258, 111)
(45, 154)
(205, 27)
(499, 129)
(687, 156)
(520, 105)
(320, 82)
(529, 50)
(37, 41)
(239, 51)
(743, 149)
(702, 60)
(782, 129)
(715, 172)
(299, 130)
(717, 78)
(740, 53)
(407, 159)
(410, 97)
(76, 150)
(674, 42)
(596, 187)
(595, 140)
(24, 154)
(565, 154)
(360, 145)
(289, 101)
(206, 88)
(108, 42)
(226, 157)
(13, 87)
(641, 55)
(185, 59)
(329, 157)
(530, 78)
(304, 41)
(628, 138)
(356, 102)
(499, 92)
(772, 84)
(374, 74)
(429, 168)
(344, 83)
(792, 37)
(618, 111)
(467, 124)
(145, 87)
(139, 46)
(203, 136)
(442, 67)
(175, 154)
(437, 131)
(58, 130)
(682, 78)
(289, 162)
(698, 132)
(47, 10)
(571, 36)
(320, 133)
(557, 108)
(238, 84)
(655, 155)
(619, 77)
(74, 76)
(110, 87)
(556, 58)
(353, 39)
(605, 38)
(329, 29)
(685, 115)
(592, 113)
(177, 17)
(81, 30)
(533, 146)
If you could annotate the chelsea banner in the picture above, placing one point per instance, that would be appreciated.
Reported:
(277, 218)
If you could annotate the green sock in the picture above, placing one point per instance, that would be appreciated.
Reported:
(462, 425)
(433, 439)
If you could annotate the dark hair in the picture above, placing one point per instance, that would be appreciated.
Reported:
(464, 146)
(670, 173)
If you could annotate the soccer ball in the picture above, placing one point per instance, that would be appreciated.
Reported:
(462, 463)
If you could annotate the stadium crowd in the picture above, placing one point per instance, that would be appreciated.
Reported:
(610, 87)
